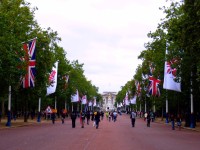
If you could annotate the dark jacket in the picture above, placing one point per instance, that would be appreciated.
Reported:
(73, 115)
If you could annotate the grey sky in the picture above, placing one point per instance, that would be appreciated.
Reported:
(106, 35)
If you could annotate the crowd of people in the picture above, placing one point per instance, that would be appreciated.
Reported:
(97, 116)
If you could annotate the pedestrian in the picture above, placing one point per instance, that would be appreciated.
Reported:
(148, 119)
(133, 116)
(145, 116)
(63, 117)
(88, 117)
(97, 119)
(172, 121)
(53, 117)
(94, 114)
(73, 118)
(114, 116)
(102, 115)
(178, 120)
(82, 119)
(109, 116)
(152, 116)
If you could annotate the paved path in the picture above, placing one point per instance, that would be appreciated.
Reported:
(117, 135)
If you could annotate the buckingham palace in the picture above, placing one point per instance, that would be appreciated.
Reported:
(109, 101)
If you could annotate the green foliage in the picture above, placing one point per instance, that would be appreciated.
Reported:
(17, 25)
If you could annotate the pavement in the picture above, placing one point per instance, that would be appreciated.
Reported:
(20, 123)
(162, 120)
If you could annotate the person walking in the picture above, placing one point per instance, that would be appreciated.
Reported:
(145, 116)
(109, 116)
(88, 117)
(63, 116)
(172, 121)
(53, 117)
(114, 116)
(178, 120)
(82, 118)
(73, 118)
(97, 119)
(148, 119)
(133, 116)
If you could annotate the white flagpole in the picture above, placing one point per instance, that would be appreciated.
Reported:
(167, 117)
(39, 104)
(65, 105)
(9, 107)
(39, 109)
(55, 103)
(192, 106)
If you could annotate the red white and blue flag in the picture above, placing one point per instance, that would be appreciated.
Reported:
(30, 50)
(53, 79)
(170, 75)
(153, 87)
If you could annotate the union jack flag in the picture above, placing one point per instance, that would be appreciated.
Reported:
(153, 87)
(30, 49)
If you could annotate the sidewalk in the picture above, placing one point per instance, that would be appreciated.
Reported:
(19, 122)
(197, 128)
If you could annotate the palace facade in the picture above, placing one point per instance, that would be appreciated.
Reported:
(109, 101)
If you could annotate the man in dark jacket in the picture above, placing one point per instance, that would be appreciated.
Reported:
(97, 119)
(73, 117)
(88, 117)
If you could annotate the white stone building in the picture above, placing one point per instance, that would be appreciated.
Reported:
(109, 101)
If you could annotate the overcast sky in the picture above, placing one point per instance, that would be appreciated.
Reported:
(106, 35)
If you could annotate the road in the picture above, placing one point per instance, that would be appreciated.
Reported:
(119, 135)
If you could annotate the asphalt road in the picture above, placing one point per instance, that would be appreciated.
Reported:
(119, 135)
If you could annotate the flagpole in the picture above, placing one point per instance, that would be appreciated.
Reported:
(154, 106)
(39, 109)
(65, 105)
(145, 105)
(55, 103)
(192, 106)
(167, 117)
(9, 107)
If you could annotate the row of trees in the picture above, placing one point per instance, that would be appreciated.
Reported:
(180, 30)
(17, 25)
